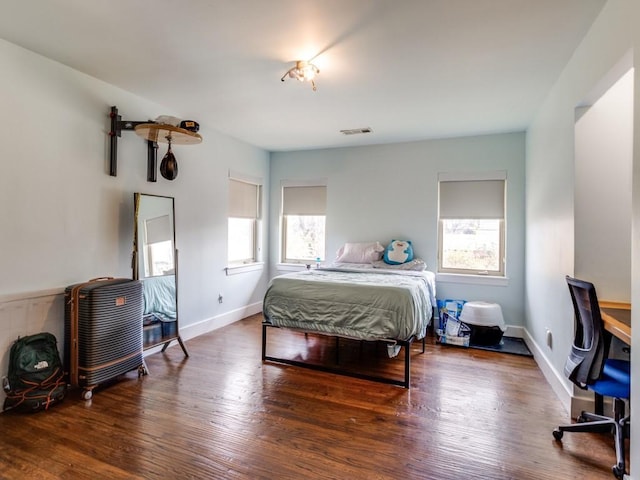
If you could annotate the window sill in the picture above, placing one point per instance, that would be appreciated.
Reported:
(244, 268)
(292, 267)
(472, 279)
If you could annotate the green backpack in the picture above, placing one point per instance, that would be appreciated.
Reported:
(36, 379)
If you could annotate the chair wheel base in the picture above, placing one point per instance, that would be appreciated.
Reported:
(557, 434)
(618, 472)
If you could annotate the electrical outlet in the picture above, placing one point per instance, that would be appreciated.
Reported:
(219, 298)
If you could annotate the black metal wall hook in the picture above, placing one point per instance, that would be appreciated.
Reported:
(117, 125)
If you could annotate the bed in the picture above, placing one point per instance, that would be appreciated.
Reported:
(159, 294)
(353, 300)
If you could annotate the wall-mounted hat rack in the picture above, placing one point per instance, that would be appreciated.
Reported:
(153, 133)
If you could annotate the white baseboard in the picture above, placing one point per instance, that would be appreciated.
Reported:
(558, 385)
(205, 326)
(573, 404)
(219, 321)
(514, 331)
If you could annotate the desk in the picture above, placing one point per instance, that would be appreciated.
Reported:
(616, 317)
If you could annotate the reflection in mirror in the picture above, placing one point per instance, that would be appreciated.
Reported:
(155, 236)
(155, 263)
(158, 246)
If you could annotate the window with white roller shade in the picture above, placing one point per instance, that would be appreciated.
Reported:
(303, 222)
(471, 218)
(244, 212)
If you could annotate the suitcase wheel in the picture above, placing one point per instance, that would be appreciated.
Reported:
(87, 394)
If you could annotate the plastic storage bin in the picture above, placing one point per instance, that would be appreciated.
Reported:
(486, 322)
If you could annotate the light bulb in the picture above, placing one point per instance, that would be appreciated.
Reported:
(309, 72)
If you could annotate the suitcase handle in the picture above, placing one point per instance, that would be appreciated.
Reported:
(99, 279)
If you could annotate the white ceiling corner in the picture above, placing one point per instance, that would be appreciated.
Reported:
(408, 69)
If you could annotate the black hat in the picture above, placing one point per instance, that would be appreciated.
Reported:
(190, 125)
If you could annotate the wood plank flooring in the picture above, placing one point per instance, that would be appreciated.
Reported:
(223, 414)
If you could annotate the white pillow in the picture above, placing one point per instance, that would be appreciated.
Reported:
(365, 252)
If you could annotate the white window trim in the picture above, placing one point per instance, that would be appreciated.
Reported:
(318, 182)
(241, 177)
(256, 248)
(295, 261)
(244, 268)
(293, 267)
(471, 176)
(459, 271)
(475, 278)
(255, 263)
(472, 279)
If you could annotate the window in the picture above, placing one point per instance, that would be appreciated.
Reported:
(159, 244)
(303, 223)
(244, 207)
(471, 233)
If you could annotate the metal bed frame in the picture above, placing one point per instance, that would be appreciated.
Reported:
(405, 382)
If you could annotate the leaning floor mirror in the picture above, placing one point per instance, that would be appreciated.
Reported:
(155, 263)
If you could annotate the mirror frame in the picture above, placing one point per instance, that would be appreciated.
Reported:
(135, 264)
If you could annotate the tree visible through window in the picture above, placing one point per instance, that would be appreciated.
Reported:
(305, 237)
(471, 244)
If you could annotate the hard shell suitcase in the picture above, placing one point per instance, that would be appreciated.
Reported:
(103, 331)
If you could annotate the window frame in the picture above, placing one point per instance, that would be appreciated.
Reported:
(157, 231)
(283, 221)
(467, 271)
(254, 243)
(255, 221)
(302, 261)
(502, 248)
(150, 261)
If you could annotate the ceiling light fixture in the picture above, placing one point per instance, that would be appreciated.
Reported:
(304, 72)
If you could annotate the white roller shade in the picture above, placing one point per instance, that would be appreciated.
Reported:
(310, 200)
(158, 229)
(243, 199)
(472, 199)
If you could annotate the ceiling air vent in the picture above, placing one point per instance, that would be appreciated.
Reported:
(355, 131)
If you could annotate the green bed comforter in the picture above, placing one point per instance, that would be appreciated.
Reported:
(355, 304)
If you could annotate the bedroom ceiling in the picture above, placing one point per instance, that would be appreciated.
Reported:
(407, 69)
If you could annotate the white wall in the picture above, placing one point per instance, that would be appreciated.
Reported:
(65, 220)
(550, 191)
(391, 191)
(603, 160)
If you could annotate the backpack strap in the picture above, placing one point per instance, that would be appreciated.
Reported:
(37, 391)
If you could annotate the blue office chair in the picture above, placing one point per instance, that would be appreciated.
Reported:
(589, 368)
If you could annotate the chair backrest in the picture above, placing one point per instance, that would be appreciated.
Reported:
(590, 346)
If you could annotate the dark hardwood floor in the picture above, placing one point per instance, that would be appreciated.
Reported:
(223, 414)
